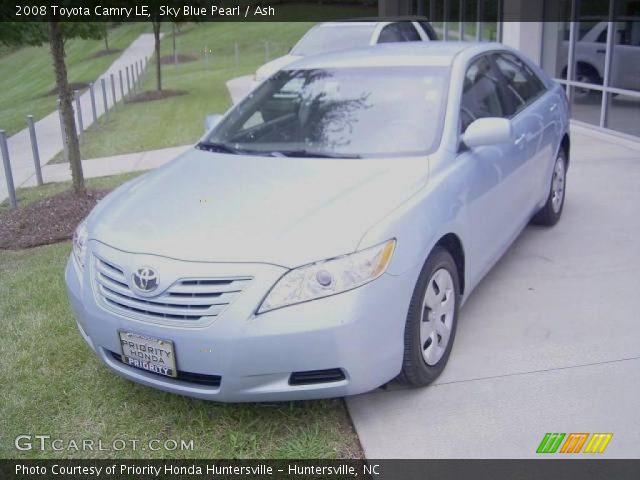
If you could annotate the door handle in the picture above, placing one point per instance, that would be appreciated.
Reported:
(553, 107)
(601, 50)
(519, 140)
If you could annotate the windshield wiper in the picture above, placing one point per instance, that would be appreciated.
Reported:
(217, 147)
(312, 154)
(224, 148)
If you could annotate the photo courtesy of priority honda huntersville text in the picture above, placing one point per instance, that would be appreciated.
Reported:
(322, 236)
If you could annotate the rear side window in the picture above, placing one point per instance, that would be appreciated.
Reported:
(428, 29)
(523, 85)
(399, 32)
(480, 96)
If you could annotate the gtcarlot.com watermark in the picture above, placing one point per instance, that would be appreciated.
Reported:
(40, 442)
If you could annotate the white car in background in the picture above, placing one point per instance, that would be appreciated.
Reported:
(590, 55)
(332, 36)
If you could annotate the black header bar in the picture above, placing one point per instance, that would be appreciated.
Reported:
(289, 10)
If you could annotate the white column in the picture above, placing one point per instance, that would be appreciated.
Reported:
(524, 36)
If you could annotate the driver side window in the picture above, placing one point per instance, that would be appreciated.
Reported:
(480, 95)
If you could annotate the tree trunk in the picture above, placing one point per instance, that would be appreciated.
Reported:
(106, 41)
(156, 36)
(175, 52)
(56, 41)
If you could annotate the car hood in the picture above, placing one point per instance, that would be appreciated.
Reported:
(213, 207)
(273, 66)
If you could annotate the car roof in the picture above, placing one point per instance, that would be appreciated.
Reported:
(400, 18)
(344, 24)
(394, 54)
(373, 21)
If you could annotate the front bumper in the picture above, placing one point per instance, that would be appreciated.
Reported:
(360, 332)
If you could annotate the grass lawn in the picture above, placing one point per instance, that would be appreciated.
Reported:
(53, 384)
(27, 73)
(179, 120)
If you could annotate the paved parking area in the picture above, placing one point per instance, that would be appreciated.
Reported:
(549, 342)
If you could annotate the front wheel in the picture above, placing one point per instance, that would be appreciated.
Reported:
(431, 321)
(552, 210)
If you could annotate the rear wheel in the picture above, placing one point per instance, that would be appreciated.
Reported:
(431, 321)
(552, 210)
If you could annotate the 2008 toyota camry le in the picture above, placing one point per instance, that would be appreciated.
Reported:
(322, 236)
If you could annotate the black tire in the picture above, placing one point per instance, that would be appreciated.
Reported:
(549, 215)
(585, 73)
(415, 370)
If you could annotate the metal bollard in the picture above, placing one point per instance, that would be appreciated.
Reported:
(76, 94)
(121, 85)
(113, 89)
(93, 104)
(8, 175)
(63, 133)
(103, 84)
(34, 149)
(128, 82)
(236, 51)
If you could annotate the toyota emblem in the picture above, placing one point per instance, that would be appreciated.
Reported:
(146, 279)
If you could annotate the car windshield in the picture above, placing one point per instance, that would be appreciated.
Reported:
(331, 38)
(338, 113)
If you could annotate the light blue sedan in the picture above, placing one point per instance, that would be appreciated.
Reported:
(321, 238)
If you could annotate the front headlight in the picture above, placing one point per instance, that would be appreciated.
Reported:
(328, 277)
(80, 237)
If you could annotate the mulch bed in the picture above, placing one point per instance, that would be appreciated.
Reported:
(72, 86)
(182, 58)
(104, 53)
(50, 220)
(151, 95)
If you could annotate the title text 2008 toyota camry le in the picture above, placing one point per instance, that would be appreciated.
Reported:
(322, 236)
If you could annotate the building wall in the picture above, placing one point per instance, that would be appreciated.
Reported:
(600, 70)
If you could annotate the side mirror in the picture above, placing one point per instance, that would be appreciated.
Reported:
(487, 131)
(211, 121)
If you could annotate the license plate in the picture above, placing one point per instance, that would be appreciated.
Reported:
(147, 353)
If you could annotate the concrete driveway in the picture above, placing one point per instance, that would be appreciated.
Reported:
(549, 342)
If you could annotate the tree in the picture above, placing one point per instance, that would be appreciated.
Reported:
(175, 29)
(173, 35)
(156, 36)
(104, 28)
(57, 34)
(106, 37)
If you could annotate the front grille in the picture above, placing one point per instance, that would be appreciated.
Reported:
(188, 300)
(316, 376)
(197, 378)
